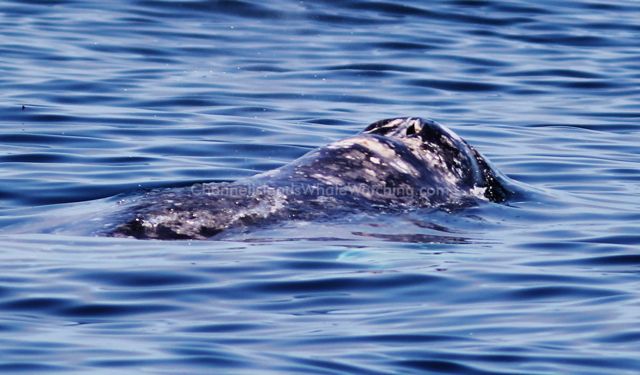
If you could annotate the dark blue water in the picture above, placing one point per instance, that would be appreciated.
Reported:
(103, 98)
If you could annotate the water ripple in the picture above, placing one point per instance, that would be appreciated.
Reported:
(103, 100)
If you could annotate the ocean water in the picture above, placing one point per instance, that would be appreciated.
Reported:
(100, 99)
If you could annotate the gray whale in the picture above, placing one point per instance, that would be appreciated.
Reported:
(393, 164)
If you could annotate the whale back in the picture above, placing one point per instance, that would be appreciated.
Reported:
(392, 165)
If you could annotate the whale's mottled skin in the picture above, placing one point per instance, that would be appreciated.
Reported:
(394, 164)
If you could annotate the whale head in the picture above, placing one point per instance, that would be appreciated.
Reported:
(441, 148)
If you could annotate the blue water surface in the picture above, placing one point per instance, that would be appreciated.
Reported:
(101, 98)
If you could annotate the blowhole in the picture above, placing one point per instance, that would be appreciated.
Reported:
(411, 130)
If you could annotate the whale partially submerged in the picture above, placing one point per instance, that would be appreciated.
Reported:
(392, 165)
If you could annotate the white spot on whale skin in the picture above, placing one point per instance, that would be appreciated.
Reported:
(370, 172)
(368, 142)
(403, 167)
(479, 192)
(345, 143)
(154, 221)
(383, 150)
(329, 180)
